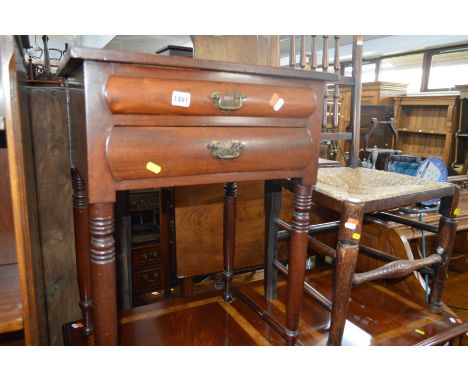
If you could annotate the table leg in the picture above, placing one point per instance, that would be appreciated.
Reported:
(80, 222)
(446, 238)
(102, 245)
(229, 237)
(272, 210)
(347, 251)
(302, 201)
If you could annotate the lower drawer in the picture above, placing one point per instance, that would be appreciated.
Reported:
(144, 257)
(147, 278)
(183, 151)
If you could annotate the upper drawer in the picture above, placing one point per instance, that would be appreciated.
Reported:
(183, 151)
(140, 95)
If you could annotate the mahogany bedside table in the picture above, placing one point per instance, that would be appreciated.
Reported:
(145, 121)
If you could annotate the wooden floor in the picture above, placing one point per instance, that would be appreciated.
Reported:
(377, 316)
(11, 312)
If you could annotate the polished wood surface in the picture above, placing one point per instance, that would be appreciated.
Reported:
(302, 200)
(184, 151)
(258, 99)
(377, 316)
(102, 250)
(11, 312)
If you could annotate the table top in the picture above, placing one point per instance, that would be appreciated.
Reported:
(76, 55)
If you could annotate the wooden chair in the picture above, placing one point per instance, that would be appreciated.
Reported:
(359, 194)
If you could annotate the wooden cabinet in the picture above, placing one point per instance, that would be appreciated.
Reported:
(461, 150)
(25, 272)
(427, 124)
(373, 93)
(140, 262)
(376, 102)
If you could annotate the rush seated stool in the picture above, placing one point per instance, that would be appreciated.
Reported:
(358, 194)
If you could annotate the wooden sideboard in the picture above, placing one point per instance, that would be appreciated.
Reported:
(149, 122)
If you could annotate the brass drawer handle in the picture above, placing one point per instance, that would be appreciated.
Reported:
(151, 278)
(227, 102)
(226, 149)
(148, 256)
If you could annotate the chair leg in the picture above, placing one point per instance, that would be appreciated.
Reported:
(446, 237)
(80, 223)
(273, 193)
(347, 251)
(302, 200)
(229, 237)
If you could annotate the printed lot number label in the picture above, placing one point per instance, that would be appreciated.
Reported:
(181, 99)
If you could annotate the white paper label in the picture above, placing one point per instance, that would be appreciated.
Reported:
(180, 99)
(279, 104)
(350, 225)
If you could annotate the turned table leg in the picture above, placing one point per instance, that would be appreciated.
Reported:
(446, 238)
(229, 237)
(102, 246)
(273, 193)
(347, 251)
(302, 201)
(80, 222)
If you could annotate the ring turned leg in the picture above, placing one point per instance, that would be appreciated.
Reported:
(80, 222)
(272, 210)
(302, 201)
(229, 237)
(102, 246)
(446, 237)
(346, 256)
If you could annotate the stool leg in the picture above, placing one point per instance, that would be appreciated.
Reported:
(102, 245)
(346, 256)
(229, 237)
(302, 200)
(446, 238)
(80, 223)
(272, 210)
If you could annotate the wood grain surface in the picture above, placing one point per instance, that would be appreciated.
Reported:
(54, 198)
(7, 231)
(199, 214)
(11, 311)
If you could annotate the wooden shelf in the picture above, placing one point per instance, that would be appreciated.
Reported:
(11, 311)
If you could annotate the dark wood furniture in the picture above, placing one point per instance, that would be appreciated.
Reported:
(25, 277)
(150, 121)
(145, 249)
